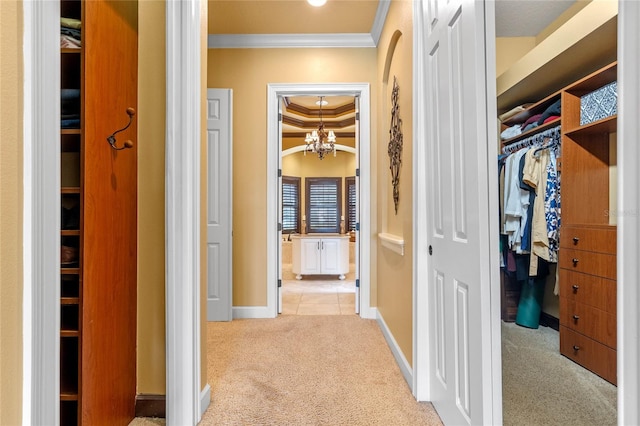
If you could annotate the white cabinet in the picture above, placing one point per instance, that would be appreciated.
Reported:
(315, 255)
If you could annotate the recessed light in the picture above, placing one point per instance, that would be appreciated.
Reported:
(323, 102)
(316, 3)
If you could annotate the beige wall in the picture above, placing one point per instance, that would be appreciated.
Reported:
(510, 49)
(151, 354)
(298, 165)
(11, 107)
(247, 72)
(394, 272)
(151, 191)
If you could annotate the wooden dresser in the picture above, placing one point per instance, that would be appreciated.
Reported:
(588, 297)
(587, 257)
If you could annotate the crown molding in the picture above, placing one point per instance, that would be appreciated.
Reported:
(274, 41)
(378, 22)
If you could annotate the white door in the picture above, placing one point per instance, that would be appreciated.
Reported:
(219, 204)
(458, 212)
(280, 196)
(357, 245)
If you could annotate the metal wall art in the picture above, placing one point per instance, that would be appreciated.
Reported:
(395, 143)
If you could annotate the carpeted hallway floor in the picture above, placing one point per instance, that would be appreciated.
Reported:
(338, 370)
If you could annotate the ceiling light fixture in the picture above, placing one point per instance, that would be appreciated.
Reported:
(316, 3)
(319, 141)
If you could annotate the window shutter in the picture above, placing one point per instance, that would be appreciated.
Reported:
(323, 204)
(290, 204)
(350, 202)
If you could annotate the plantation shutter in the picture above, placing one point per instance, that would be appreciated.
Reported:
(323, 204)
(290, 204)
(350, 203)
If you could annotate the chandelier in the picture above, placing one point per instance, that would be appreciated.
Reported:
(319, 141)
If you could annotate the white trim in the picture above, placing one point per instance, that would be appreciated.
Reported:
(41, 214)
(379, 20)
(629, 213)
(421, 354)
(183, 133)
(205, 399)
(243, 312)
(301, 148)
(327, 89)
(299, 41)
(403, 364)
(392, 242)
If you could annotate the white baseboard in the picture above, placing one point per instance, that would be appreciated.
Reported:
(405, 368)
(205, 399)
(240, 312)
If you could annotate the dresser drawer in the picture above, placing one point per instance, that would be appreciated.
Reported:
(590, 354)
(589, 321)
(587, 262)
(601, 239)
(590, 290)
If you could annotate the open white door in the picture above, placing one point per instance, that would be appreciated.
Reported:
(279, 284)
(357, 250)
(459, 215)
(219, 204)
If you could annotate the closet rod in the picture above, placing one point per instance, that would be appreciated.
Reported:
(534, 140)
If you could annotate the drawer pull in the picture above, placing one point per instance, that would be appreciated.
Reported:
(576, 318)
(575, 261)
(576, 348)
(575, 288)
(575, 240)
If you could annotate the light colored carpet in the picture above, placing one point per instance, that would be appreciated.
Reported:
(541, 387)
(307, 370)
(338, 370)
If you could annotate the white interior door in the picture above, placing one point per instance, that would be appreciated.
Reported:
(459, 212)
(279, 262)
(357, 245)
(219, 204)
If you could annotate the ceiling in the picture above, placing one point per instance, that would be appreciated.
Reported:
(514, 18)
(261, 19)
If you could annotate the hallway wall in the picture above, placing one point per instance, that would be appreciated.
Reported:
(11, 211)
(395, 272)
(247, 72)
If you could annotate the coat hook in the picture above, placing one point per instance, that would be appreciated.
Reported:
(112, 139)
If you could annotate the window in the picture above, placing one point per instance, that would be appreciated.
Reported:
(350, 203)
(290, 204)
(324, 204)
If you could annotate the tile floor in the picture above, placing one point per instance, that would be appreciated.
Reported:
(317, 295)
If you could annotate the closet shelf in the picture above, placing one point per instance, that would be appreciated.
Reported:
(69, 300)
(68, 396)
(69, 333)
(606, 125)
(70, 131)
(70, 190)
(70, 232)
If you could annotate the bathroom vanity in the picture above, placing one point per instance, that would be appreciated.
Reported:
(320, 254)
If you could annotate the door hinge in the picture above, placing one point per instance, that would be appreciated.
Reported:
(357, 226)
(279, 283)
(358, 283)
(279, 227)
(357, 116)
(279, 116)
(358, 172)
(279, 172)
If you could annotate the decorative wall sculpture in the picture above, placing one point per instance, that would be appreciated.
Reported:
(395, 143)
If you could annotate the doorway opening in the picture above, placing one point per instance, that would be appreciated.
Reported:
(284, 162)
(318, 205)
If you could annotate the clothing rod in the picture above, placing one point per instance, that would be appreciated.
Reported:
(534, 140)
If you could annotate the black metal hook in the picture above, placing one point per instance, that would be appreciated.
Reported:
(112, 139)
